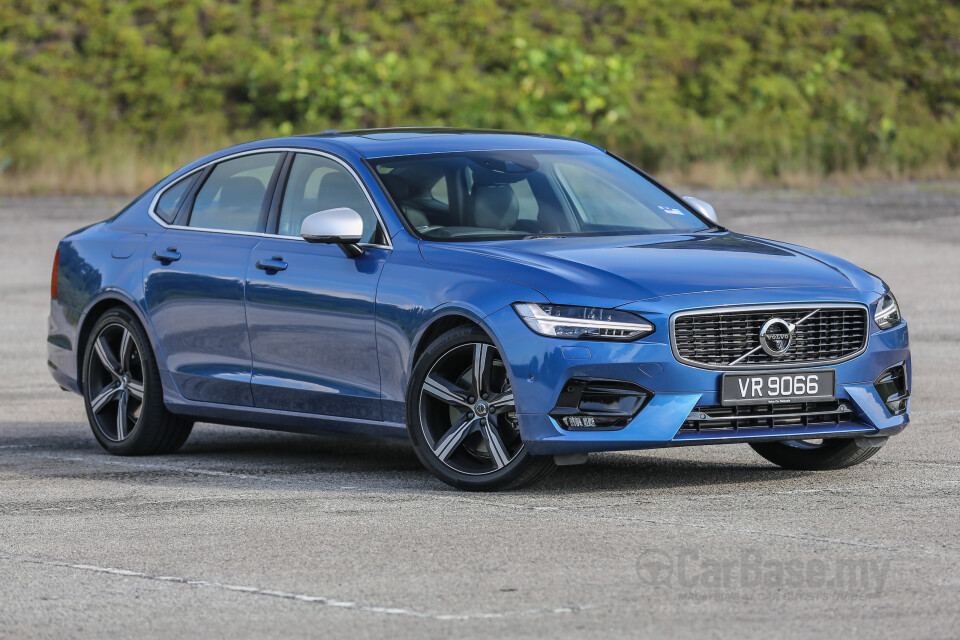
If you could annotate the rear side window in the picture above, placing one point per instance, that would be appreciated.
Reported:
(169, 203)
(316, 184)
(233, 195)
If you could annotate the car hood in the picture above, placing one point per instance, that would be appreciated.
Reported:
(618, 270)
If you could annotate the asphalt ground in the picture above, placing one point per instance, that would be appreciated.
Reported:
(248, 533)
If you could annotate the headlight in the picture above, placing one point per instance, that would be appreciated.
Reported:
(888, 312)
(582, 323)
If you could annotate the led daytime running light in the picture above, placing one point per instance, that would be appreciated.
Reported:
(558, 321)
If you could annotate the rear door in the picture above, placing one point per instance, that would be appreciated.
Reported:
(194, 283)
(310, 308)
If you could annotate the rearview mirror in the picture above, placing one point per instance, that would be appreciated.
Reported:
(703, 207)
(341, 226)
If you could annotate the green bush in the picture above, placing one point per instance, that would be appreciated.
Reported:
(773, 88)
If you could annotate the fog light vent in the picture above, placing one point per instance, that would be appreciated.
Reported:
(585, 422)
(893, 389)
(590, 404)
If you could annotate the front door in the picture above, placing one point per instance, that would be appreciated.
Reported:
(311, 308)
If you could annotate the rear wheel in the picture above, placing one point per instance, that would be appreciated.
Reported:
(462, 418)
(122, 391)
(815, 455)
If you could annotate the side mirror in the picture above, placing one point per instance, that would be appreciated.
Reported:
(341, 226)
(703, 207)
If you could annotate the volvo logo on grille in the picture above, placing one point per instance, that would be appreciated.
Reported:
(776, 334)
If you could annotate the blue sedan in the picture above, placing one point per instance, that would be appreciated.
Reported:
(509, 302)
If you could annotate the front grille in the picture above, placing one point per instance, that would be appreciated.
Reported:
(749, 418)
(717, 339)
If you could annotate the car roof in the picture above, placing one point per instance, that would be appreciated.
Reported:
(382, 143)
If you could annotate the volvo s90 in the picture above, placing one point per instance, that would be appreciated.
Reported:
(508, 302)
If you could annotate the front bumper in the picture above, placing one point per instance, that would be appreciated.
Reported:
(540, 367)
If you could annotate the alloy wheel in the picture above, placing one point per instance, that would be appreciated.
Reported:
(115, 382)
(467, 410)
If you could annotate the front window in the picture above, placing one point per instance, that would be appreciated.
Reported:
(495, 195)
(316, 184)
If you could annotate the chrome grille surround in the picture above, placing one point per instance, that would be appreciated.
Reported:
(836, 333)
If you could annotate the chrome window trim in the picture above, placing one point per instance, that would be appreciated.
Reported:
(152, 210)
(769, 307)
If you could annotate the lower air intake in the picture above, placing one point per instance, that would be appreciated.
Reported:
(751, 418)
(598, 405)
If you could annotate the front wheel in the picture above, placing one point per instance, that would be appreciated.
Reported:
(815, 455)
(462, 418)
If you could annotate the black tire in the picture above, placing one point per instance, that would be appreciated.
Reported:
(120, 375)
(799, 455)
(473, 463)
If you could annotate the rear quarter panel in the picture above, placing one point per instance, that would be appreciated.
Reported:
(99, 265)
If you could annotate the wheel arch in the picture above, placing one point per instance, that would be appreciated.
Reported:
(96, 308)
(440, 324)
(445, 320)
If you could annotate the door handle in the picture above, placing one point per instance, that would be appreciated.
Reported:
(167, 256)
(275, 263)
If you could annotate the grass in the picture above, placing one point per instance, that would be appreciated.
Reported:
(121, 168)
(114, 167)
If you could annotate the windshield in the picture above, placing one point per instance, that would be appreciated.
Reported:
(497, 195)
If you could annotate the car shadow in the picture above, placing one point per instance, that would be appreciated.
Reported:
(237, 455)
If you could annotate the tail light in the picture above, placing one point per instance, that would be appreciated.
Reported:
(55, 276)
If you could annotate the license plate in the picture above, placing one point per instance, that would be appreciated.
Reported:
(778, 387)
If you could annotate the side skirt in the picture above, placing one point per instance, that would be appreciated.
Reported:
(276, 420)
(272, 419)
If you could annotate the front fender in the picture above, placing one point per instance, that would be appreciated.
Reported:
(413, 296)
